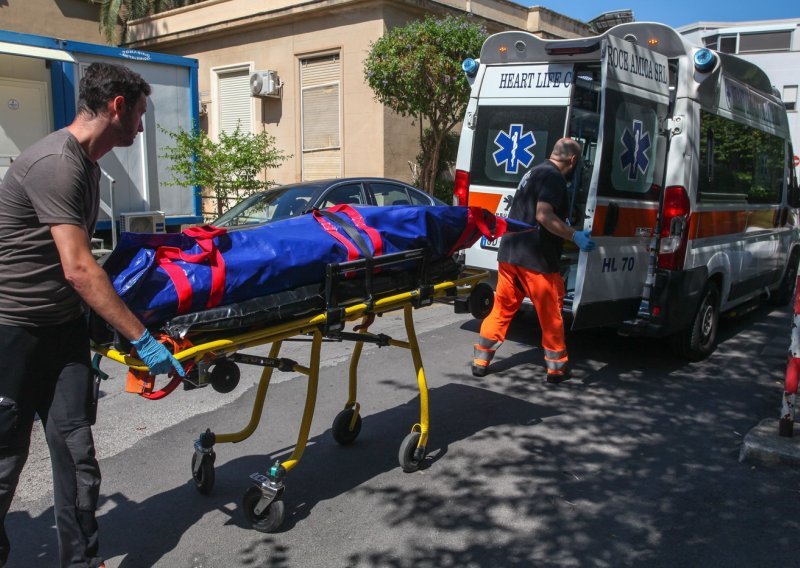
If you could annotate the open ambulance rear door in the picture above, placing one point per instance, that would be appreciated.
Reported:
(623, 200)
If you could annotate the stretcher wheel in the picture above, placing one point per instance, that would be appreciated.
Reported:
(270, 519)
(225, 376)
(408, 448)
(341, 427)
(204, 476)
(481, 300)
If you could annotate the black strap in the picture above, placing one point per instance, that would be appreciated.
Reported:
(351, 231)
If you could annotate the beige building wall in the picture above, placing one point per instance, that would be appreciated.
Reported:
(277, 35)
(76, 20)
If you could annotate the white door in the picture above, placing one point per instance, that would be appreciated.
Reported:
(623, 196)
(25, 117)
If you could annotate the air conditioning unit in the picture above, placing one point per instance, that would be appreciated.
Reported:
(142, 222)
(265, 84)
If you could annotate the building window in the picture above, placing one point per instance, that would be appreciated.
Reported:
(320, 108)
(711, 41)
(235, 103)
(790, 96)
(727, 44)
(765, 41)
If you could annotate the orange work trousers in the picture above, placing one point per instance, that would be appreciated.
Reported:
(546, 291)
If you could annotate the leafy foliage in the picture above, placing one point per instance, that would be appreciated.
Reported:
(416, 71)
(230, 167)
(115, 14)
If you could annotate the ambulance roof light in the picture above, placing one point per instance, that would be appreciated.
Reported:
(470, 66)
(704, 60)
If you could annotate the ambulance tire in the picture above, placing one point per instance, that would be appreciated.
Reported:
(481, 301)
(784, 294)
(700, 339)
(270, 519)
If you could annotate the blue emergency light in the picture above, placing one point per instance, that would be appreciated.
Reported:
(704, 60)
(470, 66)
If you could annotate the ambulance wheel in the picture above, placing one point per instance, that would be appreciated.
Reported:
(225, 376)
(204, 476)
(481, 300)
(269, 519)
(341, 427)
(406, 454)
(700, 339)
(785, 292)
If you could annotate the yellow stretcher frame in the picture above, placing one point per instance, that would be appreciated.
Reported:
(262, 504)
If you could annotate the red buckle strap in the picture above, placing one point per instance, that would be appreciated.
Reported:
(204, 238)
(352, 251)
(477, 220)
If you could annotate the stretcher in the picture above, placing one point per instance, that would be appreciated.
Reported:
(211, 357)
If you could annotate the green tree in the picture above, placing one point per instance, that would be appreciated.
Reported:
(416, 71)
(230, 167)
(115, 14)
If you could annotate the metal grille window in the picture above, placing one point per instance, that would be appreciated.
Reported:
(790, 96)
(320, 79)
(765, 41)
(234, 101)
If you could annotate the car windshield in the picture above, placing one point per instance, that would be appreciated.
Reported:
(271, 205)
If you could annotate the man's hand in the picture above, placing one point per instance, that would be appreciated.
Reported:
(156, 356)
(584, 240)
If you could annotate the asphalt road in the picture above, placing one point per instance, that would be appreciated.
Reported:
(633, 463)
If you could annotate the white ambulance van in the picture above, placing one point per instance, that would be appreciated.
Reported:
(686, 181)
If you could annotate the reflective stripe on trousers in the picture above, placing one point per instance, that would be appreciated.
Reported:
(484, 351)
(546, 291)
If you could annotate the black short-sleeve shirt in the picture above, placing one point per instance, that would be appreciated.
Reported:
(538, 250)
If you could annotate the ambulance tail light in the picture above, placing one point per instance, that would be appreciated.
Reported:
(461, 188)
(674, 229)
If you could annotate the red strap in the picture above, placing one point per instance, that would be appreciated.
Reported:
(204, 237)
(477, 220)
(359, 223)
(352, 251)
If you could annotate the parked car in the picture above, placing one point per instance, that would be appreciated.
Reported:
(298, 198)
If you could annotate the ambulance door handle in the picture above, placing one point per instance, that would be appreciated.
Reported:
(612, 216)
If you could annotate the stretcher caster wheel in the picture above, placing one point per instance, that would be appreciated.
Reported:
(225, 376)
(203, 473)
(341, 427)
(410, 456)
(266, 521)
(481, 300)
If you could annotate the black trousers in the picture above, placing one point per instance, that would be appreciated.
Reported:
(47, 371)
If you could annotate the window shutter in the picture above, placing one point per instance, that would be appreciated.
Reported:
(234, 102)
(321, 115)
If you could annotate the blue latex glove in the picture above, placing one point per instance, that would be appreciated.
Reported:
(584, 241)
(156, 356)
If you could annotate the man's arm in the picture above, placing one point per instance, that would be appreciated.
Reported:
(548, 219)
(91, 282)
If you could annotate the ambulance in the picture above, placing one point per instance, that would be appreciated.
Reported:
(686, 180)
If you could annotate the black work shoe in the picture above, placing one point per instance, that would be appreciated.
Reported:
(555, 379)
(479, 370)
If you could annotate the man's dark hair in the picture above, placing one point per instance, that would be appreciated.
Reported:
(103, 81)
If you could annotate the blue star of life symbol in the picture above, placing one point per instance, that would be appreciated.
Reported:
(637, 143)
(514, 148)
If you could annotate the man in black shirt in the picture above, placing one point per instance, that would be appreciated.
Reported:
(529, 262)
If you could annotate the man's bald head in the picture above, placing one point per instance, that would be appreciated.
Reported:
(565, 149)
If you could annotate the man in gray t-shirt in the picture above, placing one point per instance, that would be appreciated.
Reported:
(49, 203)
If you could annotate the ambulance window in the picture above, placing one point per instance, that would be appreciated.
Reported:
(738, 163)
(509, 140)
(629, 167)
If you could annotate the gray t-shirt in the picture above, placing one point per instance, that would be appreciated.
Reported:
(52, 182)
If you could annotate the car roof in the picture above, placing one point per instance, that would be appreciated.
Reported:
(323, 183)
